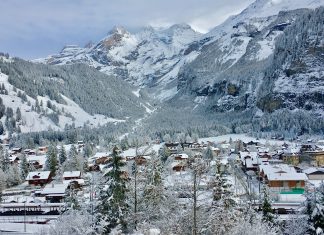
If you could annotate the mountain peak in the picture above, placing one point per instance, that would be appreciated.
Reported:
(118, 30)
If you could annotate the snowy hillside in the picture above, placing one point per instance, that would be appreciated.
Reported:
(32, 121)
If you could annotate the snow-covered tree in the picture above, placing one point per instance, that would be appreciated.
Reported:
(87, 151)
(24, 167)
(167, 138)
(296, 225)
(62, 154)
(208, 154)
(113, 206)
(252, 223)
(314, 208)
(13, 176)
(5, 161)
(73, 222)
(51, 159)
(267, 211)
(224, 212)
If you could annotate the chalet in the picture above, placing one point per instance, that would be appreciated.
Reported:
(249, 160)
(103, 160)
(197, 147)
(178, 166)
(70, 175)
(316, 157)
(282, 177)
(54, 193)
(16, 150)
(14, 159)
(80, 144)
(29, 152)
(291, 158)
(180, 157)
(286, 181)
(142, 160)
(26, 151)
(172, 147)
(39, 178)
(100, 158)
(42, 149)
(250, 143)
(307, 147)
(216, 151)
(266, 169)
(314, 173)
(38, 162)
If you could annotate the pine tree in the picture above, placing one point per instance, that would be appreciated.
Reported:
(13, 176)
(18, 114)
(87, 151)
(72, 200)
(24, 168)
(208, 154)
(62, 155)
(1, 128)
(165, 153)
(267, 211)
(224, 211)
(6, 161)
(51, 160)
(113, 206)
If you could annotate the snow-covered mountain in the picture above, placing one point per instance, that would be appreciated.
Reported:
(150, 58)
(232, 65)
(239, 67)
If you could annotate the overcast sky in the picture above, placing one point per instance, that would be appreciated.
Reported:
(36, 28)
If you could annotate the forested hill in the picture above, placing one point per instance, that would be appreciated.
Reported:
(95, 92)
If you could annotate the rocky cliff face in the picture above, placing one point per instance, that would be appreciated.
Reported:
(295, 79)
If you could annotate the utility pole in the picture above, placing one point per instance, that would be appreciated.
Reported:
(24, 216)
(194, 232)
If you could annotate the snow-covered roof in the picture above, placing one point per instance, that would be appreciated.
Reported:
(80, 181)
(312, 170)
(54, 189)
(39, 175)
(263, 150)
(182, 155)
(40, 158)
(101, 154)
(13, 158)
(173, 164)
(250, 158)
(287, 176)
(276, 169)
(71, 174)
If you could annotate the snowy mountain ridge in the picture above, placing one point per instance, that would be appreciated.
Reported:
(143, 58)
(153, 58)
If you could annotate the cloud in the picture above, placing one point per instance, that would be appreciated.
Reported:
(36, 28)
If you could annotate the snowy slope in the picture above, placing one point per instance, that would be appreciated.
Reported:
(33, 121)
